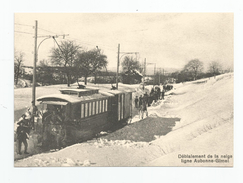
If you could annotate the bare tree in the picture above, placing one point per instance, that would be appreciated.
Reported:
(130, 63)
(215, 68)
(18, 63)
(194, 67)
(65, 56)
(89, 62)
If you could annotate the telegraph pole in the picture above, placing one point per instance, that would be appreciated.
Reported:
(36, 56)
(117, 66)
(154, 73)
(34, 65)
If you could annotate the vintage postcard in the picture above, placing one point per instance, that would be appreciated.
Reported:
(123, 89)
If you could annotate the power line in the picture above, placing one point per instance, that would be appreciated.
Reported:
(24, 32)
(24, 25)
(34, 26)
(107, 47)
(29, 33)
(47, 31)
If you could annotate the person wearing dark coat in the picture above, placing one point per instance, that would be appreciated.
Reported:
(140, 101)
(163, 94)
(136, 102)
(146, 98)
(158, 93)
(144, 106)
(22, 136)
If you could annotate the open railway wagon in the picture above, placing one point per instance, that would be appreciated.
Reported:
(84, 113)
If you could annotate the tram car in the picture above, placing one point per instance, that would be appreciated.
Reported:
(83, 112)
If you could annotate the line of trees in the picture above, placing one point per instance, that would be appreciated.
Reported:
(67, 63)
(77, 62)
(194, 70)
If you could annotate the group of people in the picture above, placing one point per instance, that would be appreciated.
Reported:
(50, 129)
(141, 103)
(144, 101)
(157, 94)
(26, 123)
(52, 120)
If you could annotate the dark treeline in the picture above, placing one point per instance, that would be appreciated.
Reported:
(70, 63)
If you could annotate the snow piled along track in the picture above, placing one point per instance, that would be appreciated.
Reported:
(194, 118)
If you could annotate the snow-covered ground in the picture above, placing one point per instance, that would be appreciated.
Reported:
(199, 119)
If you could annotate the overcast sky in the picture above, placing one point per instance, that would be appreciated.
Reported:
(168, 39)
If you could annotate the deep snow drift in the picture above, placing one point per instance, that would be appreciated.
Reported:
(198, 117)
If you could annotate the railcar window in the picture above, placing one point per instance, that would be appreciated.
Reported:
(103, 105)
(82, 110)
(100, 102)
(93, 109)
(90, 108)
(97, 107)
(106, 104)
(86, 109)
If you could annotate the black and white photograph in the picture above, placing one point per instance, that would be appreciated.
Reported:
(124, 89)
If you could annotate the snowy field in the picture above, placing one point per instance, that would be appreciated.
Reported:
(198, 117)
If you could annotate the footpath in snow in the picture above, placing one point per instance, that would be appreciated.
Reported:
(196, 119)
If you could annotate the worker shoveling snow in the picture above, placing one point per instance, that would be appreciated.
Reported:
(196, 118)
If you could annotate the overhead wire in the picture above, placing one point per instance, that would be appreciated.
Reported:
(47, 30)
(91, 44)
(30, 33)
(81, 41)
(24, 25)
(24, 32)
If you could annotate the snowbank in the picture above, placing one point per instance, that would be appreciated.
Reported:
(198, 117)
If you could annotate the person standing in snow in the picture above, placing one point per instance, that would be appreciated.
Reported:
(140, 103)
(146, 97)
(136, 102)
(56, 129)
(144, 107)
(22, 135)
(163, 94)
(26, 123)
(158, 93)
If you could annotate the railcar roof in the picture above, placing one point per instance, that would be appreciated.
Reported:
(118, 91)
(70, 98)
(78, 90)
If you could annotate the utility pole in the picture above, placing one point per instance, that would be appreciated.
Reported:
(154, 73)
(118, 55)
(34, 65)
(144, 73)
(159, 75)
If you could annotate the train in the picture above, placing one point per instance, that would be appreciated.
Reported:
(84, 113)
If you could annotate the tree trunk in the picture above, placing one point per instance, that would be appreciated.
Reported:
(68, 79)
(17, 76)
(95, 78)
(85, 80)
(16, 80)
